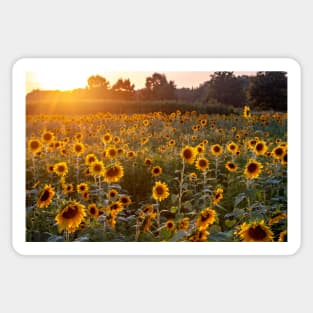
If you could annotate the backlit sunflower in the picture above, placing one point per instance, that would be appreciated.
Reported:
(47, 137)
(188, 154)
(113, 173)
(78, 148)
(253, 169)
(260, 148)
(255, 232)
(232, 147)
(206, 218)
(107, 138)
(218, 196)
(45, 196)
(202, 164)
(70, 216)
(90, 158)
(82, 187)
(93, 211)
(34, 145)
(156, 171)
(125, 200)
(283, 236)
(60, 168)
(183, 224)
(216, 149)
(231, 166)
(111, 152)
(160, 191)
(170, 225)
(97, 168)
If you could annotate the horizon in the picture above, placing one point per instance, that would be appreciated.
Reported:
(76, 80)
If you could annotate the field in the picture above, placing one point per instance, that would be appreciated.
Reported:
(156, 177)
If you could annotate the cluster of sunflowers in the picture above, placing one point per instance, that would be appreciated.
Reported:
(157, 177)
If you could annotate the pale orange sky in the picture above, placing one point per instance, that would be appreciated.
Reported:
(70, 80)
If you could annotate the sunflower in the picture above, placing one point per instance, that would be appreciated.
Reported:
(148, 162)
(47, 137)
(156, 171)
(231, 166)
(145, 122)
(97, 168)
(202, 164)
(67, 188)
(199, 236)
(260, 148)
(45, 197)
(256, 231)
(82, 187)
(206, 218)
(116, 207)
(93, 211)
(171, 143)
(60, 168)
(116, 140)
(284, 159)
(113, 173)
(188, 154)
(125, 200)
(203, 122)
(193, 177)
(283, 236)
(253, 169)
(218, 196)
(232, 147)
(107, 138)
(113, 193)
(90, 158)
(70, 216)
(216, 150)
(85, 195)
(111, 152)
(160, 191)
(34, 145)
(78, 148)
(246, 112)
(278, 152)
(131, 154)
(183, 224)
(50, 168)
(200, 148)
(170, 225)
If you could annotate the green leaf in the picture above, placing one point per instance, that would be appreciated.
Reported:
(179, 235)
(187, 205)
(239, 199)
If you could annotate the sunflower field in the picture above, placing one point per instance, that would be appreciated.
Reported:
(157, 177)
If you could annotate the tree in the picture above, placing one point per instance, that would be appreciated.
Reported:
(98, 86)
(158, 88)
(124, 89)
(226, 88)
(268, 90)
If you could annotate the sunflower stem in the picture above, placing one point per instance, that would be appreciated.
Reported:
(181, 182)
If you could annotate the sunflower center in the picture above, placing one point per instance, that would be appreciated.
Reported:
(231, 165)
(34, 144)
(112, 172)
(70, 212)
(45, 195)
(232, 147)
(252, 167)
(285, 157)
(92, 159)
(259, 147)
(92, 210)
(159, 190)
(106, 138)
(257, 233)
(202, 163)
(187, 154)
(47, 136)
(61, 168)
(97, 168)
(279, 151)
(216, 149)
(78, 148)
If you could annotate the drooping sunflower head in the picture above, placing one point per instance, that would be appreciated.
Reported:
(78, 148)
(47, 137)
(113, 173)
(93, 211)
(90, 158)
(170, 225)
(45, 196)
(218, 196)
(97, 168)
(60, 168)
(34, 145)
(156, 171)
(160, 191)
(216, 150)
(231, 166)
(202, 164)
(193, 177)
(255, 232)
(206, 218)
(70, 216)
(189, 154)
(253, 169)
(260, 148)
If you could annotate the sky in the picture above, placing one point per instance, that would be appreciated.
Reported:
(52, 81)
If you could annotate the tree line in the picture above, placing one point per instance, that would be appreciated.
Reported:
(265, 90)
